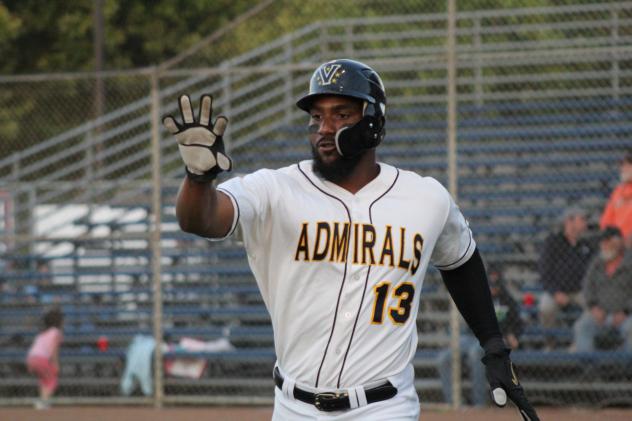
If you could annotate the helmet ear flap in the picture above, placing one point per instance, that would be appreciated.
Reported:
(381, 131)
(375, 127)
(365, 134)
(376, 131)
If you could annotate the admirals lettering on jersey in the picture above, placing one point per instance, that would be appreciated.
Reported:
(329, 241)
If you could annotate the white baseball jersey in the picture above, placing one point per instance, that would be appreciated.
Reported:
(341, 273)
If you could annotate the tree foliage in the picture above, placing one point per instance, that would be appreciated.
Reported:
(57, 35)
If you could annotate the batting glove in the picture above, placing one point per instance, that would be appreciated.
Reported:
(503, 380)
(200, 143)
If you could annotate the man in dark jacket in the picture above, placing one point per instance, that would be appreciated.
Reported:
(563, 261)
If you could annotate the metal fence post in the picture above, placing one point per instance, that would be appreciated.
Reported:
(323, 42)
(156, 210)
(30, 217)
(452, 186)
(614, 42)
(478, 65)
(349, 43)
(16, 167)
(227, 94)
(289, 94)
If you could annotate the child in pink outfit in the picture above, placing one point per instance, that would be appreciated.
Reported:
(43, 356)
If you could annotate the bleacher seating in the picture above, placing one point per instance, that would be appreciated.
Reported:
(520, 165)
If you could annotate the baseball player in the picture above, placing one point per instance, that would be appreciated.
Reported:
(339, 246)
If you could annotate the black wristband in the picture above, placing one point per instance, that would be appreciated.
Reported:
(205, 178)
(495, 345)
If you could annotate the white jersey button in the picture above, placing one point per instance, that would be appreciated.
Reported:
(356, 277)
(348, 315)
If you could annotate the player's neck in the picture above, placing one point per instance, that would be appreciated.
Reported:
(365, 172)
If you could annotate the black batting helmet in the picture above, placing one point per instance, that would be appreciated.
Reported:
(353, 79)
(347, 78)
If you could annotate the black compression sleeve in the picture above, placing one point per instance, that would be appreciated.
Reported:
(469, 288)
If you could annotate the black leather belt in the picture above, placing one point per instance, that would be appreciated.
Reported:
(337, 401)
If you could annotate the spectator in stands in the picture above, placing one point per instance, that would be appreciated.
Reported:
(7, 289)
(608, 294)
(43, 356)
(511, 325)
(40, 289)
(618, 210)
(563, 261)
(45, 287)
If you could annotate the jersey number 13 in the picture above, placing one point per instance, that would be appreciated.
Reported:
(399, 313)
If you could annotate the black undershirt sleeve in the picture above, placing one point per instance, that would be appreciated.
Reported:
(469, 289)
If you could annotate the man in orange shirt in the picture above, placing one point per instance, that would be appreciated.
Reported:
(618, 210)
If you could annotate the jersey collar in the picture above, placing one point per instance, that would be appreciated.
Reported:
(375, 188)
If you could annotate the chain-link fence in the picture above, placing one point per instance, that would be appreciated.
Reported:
(544, 99)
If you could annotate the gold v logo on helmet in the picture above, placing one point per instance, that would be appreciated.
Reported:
(328, 74)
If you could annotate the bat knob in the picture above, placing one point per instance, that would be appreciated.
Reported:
(499, 396)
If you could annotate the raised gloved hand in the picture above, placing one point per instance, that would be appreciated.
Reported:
(200, 143)
(503, 380)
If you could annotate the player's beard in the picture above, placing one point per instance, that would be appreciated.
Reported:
(335, 171)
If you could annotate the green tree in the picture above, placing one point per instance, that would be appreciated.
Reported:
(9, 29)
(57, 36)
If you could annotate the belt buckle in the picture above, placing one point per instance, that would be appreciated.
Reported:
(328, 401)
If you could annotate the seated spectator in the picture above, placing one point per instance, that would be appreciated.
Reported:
(618, 210)
(608, 294)
(44, 279)
(563, 261)
(508, 314)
